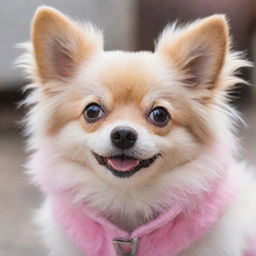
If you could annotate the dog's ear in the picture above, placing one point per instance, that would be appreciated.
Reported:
(198, 50)
(60, 45)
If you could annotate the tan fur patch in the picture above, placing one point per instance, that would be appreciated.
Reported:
(51, 31)
(128, 89)
(128, 79)
(208, 37)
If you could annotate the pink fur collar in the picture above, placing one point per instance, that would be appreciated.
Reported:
(169, 234)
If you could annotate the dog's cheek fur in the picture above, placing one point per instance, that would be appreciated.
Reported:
(178, 147)
(77, 146)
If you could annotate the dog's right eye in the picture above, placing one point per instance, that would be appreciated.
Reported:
(93, 112)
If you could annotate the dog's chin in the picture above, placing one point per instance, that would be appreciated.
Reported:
(124, 166)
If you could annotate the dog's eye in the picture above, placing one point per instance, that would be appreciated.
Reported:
(159, 116)
(93, 112)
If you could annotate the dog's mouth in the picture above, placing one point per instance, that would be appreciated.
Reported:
(124, 166)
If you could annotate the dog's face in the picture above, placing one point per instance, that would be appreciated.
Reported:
(127, 117)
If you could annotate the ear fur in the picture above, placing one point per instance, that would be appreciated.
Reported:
(199, 50)
(60, 45)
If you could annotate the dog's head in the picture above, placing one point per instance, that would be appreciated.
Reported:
(128, 117)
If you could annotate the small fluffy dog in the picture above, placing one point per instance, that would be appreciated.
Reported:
(135, 151)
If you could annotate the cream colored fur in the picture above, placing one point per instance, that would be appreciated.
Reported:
(190, 73)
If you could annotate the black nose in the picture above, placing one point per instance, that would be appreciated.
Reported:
(123, 137)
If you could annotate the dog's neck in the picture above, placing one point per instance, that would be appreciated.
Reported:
(130, 223)
(127, 207)
(132, 206)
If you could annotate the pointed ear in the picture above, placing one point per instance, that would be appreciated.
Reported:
(60, 45)
(199, 50)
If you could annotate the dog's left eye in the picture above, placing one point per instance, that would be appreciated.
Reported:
(159, 116)
(93, 112)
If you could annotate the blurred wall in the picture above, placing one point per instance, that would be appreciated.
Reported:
(115, 17)
(254, 62)
(153, 15)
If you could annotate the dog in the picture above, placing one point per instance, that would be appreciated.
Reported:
(136, 152)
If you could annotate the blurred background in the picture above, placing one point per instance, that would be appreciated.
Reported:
(127, 25)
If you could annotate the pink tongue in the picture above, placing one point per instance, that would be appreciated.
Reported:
(123, 166)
